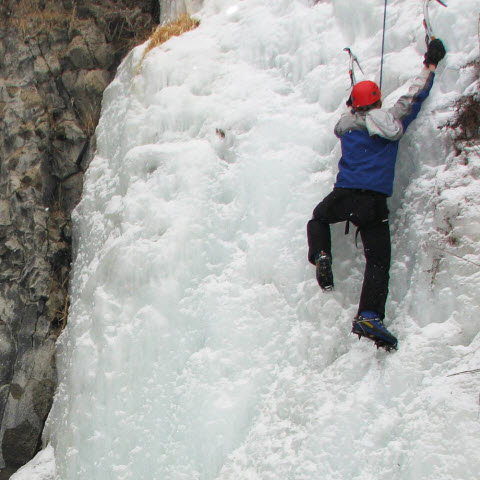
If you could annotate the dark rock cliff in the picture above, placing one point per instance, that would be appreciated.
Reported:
(56, 58)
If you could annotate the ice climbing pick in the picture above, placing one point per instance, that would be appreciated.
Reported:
(426, 20)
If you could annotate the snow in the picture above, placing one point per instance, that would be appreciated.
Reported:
(199, 345)
(42, 467)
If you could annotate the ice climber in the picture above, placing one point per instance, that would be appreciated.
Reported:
(369, 139)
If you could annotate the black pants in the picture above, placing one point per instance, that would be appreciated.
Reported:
(368, 211)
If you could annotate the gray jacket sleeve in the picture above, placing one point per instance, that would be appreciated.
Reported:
(403, 107)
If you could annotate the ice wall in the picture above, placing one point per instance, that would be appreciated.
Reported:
(199, 345)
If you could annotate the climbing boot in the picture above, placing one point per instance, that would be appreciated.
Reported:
(323, 269)
(370, 325)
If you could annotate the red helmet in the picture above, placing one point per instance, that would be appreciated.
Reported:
(365, 93)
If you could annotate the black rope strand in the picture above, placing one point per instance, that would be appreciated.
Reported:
(383, 42)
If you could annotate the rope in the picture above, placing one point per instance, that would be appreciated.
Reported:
(383, 42)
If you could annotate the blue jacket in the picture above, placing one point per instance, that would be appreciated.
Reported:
(370, 139)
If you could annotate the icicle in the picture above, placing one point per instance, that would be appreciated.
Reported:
(171, 9)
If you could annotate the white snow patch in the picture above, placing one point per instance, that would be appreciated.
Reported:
(42, 467)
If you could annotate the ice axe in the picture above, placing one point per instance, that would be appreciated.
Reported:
(353, 61)
(426, 21)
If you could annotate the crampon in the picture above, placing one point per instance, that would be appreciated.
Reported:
(374, 330)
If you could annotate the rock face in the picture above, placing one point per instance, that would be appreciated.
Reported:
(56, 58)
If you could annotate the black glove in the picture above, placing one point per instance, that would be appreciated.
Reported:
(435, 52)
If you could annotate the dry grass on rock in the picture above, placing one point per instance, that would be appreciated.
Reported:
(31, 20)
(177, 27)
(466, 122)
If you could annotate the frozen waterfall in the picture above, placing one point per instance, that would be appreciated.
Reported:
(199, 346)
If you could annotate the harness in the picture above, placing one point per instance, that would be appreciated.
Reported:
(357, 231)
